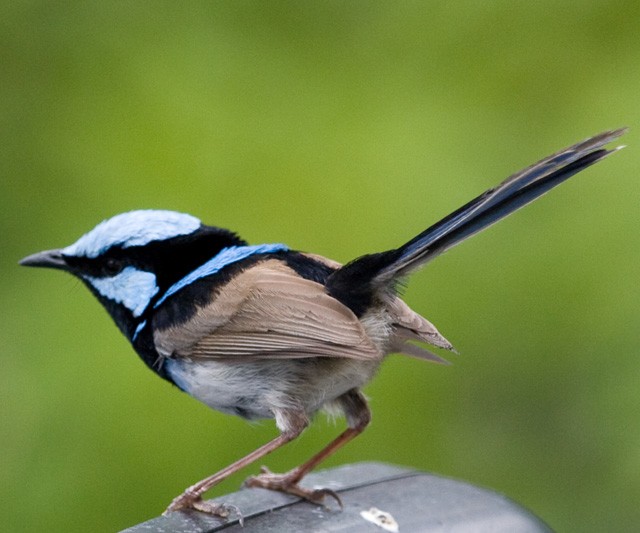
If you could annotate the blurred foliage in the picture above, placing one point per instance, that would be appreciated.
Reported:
(341, 128)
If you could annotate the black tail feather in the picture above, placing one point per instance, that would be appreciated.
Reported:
(356, 282)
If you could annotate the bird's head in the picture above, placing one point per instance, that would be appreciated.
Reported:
(131, 259)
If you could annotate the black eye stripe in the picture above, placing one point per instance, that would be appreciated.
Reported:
(99, 267)
(169, 259)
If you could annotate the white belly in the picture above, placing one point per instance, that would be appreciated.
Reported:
(260, 387)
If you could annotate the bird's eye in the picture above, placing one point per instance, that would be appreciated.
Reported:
(112, 267)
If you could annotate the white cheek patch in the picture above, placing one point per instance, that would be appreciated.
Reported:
(132, 288)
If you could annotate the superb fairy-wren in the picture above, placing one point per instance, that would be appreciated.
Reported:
(268, 332)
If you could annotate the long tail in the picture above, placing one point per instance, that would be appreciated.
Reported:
(356, 282)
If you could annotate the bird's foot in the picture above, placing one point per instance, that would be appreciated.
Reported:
(186, 501)
(288, 483)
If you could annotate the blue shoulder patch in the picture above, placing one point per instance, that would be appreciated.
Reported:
(225, 257)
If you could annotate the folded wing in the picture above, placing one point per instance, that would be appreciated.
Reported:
(268, 311)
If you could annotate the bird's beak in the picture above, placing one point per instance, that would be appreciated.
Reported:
(48, 258)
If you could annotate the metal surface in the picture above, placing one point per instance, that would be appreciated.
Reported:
(417, 501)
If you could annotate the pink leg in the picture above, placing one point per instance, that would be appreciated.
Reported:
(191, 498)
(358, 417)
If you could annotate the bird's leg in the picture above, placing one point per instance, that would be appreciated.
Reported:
(358, 417)
(291, 424)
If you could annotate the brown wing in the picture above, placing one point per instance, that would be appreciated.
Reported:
(269, 311)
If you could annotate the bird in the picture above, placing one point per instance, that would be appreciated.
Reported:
(268, 332)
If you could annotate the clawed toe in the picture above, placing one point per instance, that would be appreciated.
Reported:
(288, 484)
(186, 501)
(318, 496)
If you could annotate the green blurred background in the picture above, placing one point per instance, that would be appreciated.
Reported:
(340, 128)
